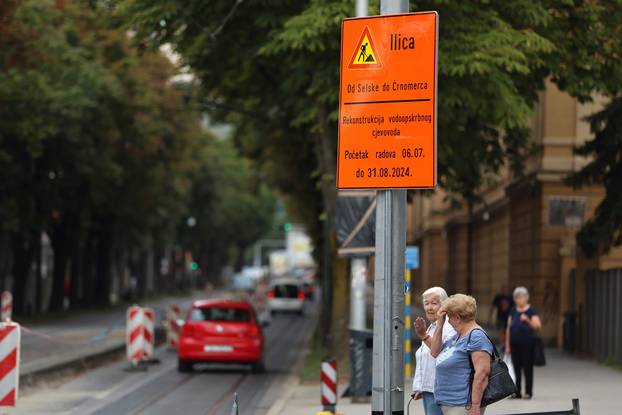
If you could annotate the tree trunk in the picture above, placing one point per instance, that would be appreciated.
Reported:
(101, 293)
(38, 288)
(469, 248)
(141, 275)
(22, 259)
(5, 259)
(76, 271)
(325, 148)
(89, 268)
(60, 245)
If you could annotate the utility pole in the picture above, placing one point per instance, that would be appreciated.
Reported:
(361, 8)
(388, 354)
(358, 288)
(388, 369)
(358, 265)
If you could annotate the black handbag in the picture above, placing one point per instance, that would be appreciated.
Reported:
(539, 359)
(500, 383)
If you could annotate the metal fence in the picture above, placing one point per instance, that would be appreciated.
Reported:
(603, 314)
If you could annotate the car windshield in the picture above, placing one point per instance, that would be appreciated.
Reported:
(226, 314)
(286, 291)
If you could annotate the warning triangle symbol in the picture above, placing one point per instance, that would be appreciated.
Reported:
(365, 54)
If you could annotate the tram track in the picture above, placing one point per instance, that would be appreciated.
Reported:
(283, 325)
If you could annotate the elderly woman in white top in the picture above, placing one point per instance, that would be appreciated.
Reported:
(423, 382)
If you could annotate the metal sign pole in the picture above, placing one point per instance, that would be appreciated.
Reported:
(388, 370)
(358, 265)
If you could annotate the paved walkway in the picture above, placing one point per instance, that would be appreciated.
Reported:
(53, 343)
(598, 387)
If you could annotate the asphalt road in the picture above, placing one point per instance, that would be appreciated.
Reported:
(209, 390)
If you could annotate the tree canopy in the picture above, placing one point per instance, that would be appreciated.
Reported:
(104, 151)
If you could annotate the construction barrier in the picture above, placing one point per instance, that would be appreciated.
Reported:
(149, 333)
(172, 329)
(135, 334)
(7, 305)
(9, 363)
(329, 385)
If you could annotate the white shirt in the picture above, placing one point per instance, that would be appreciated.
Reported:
(425, 371)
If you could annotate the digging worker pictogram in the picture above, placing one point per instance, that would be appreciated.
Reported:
(363, 52)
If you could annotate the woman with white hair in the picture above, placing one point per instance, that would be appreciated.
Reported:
(520, 339)
(423, 382)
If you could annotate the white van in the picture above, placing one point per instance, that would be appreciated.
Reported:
(286, 295)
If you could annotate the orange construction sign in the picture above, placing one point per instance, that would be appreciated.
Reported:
(387, 102)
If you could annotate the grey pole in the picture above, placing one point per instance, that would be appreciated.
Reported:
(388, 353)
(358, 266)
(393, 6)
(361, 8)
(358, 288)
(388, 360)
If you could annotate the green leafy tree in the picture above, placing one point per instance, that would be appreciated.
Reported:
(232, 207)
(95, 145)
(604, 230)
(47, 86)
(280, 86)
(586, 67)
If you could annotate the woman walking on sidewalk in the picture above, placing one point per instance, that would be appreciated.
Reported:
(523, 324)
(423, 382)
(468, 352)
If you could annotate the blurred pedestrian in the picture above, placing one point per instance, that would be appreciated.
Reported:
(523, 324)
(423, 382)
(468, 351)
(502, 304)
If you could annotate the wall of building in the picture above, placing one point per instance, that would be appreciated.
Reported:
(514, 240)
(490, 256)
(433, 257)
(455, 282)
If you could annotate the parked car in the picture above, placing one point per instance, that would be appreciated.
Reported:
(286, 295)
(220, 331)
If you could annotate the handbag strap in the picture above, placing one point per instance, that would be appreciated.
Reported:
(494, 348)
(495, 356)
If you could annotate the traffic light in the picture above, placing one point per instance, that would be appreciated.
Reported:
(287, 227)
(194, 266)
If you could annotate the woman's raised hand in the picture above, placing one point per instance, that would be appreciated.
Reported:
(440, 320)
(420, 327)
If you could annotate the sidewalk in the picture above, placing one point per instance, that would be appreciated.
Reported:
(54, 344)
(598, 387)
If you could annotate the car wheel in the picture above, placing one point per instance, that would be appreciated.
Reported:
(258, 367)
(184, 366)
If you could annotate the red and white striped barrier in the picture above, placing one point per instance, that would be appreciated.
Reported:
(9, 363)
(149, 334)
(135, 334)
(172, 329)
(7, 305)
(329, 385)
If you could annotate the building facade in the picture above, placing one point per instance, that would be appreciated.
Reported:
(523, 233)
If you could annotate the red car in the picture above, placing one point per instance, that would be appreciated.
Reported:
(220, 331)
